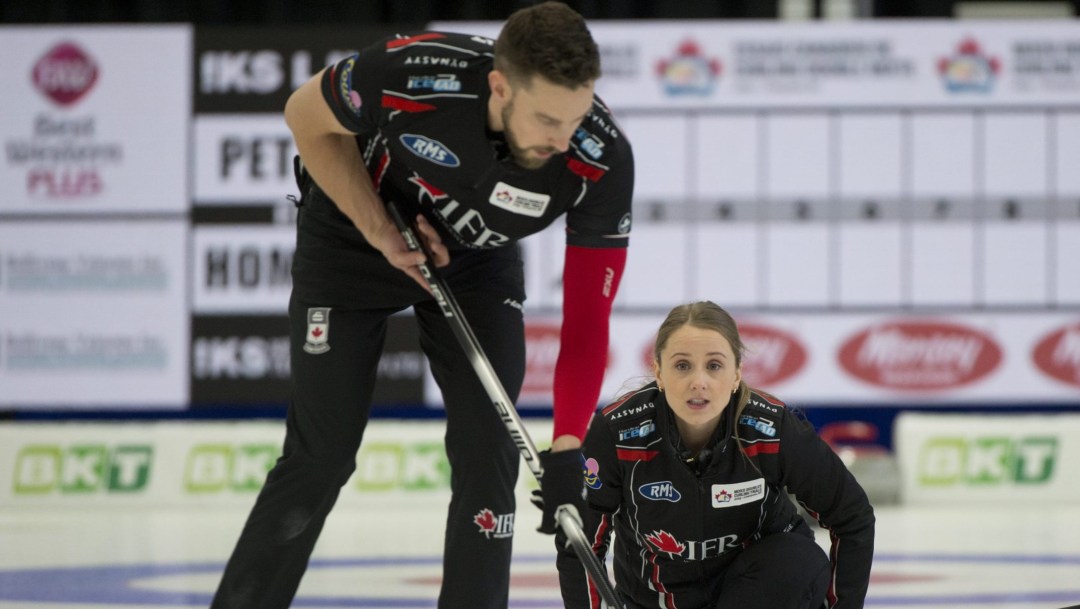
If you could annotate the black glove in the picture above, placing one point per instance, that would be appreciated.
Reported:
(564, 482)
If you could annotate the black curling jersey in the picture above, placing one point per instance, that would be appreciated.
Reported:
(419, 106)
(678, 524)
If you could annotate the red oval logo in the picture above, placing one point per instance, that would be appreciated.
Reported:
(1058, 354)
(65, 74)
(772, 356)
(541, 355)
(919, 356)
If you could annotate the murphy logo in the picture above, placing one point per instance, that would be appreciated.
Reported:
(432, 150)
(85, 468)
(660, 491)
(988, 461)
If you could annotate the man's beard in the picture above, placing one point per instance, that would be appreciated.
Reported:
(520, 154)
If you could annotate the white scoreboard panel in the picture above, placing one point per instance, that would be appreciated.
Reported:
(855, 209)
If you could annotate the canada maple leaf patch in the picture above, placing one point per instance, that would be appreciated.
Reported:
(485, 520)
(494, 526)
(664, 542)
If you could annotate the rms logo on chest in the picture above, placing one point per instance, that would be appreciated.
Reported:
(429, 149)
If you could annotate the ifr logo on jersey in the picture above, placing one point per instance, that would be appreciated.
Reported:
(318, 330)
(494, 526)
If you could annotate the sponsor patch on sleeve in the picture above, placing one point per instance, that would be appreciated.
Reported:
(345, 88)
(592, 474)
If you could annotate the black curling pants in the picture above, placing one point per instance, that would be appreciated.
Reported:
(780, 571)
(335, 269)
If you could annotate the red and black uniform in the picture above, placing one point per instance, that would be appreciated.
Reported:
(717, 529)
(418, 105)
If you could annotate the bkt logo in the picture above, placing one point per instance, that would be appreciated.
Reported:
(432, 150)
(641, 431)
(988, 461)
(660, 491)
(213, 468)
(84, 468)
(413, 466)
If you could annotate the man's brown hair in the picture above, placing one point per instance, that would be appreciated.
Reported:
(550, 40)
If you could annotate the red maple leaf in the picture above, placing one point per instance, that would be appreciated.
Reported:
(317, 332)
(665, 542)
(485, 520)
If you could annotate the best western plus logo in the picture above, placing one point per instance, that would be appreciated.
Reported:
(83, 468)
(65, 74)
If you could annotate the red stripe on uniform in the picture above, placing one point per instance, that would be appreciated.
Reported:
(772, 399)
(608, 409)
(405, 105)
(584, 170)
(658, 585)
(381, 170)
(626, 454)
(595, 602)
(404, 42)
(768, 449)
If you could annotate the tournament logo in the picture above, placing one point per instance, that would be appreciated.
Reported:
(65, 74)
(494, 526)
(518, 200)
(318, 330)
(731, 495)
(969, 70)
(689, 72)
(429, 149)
